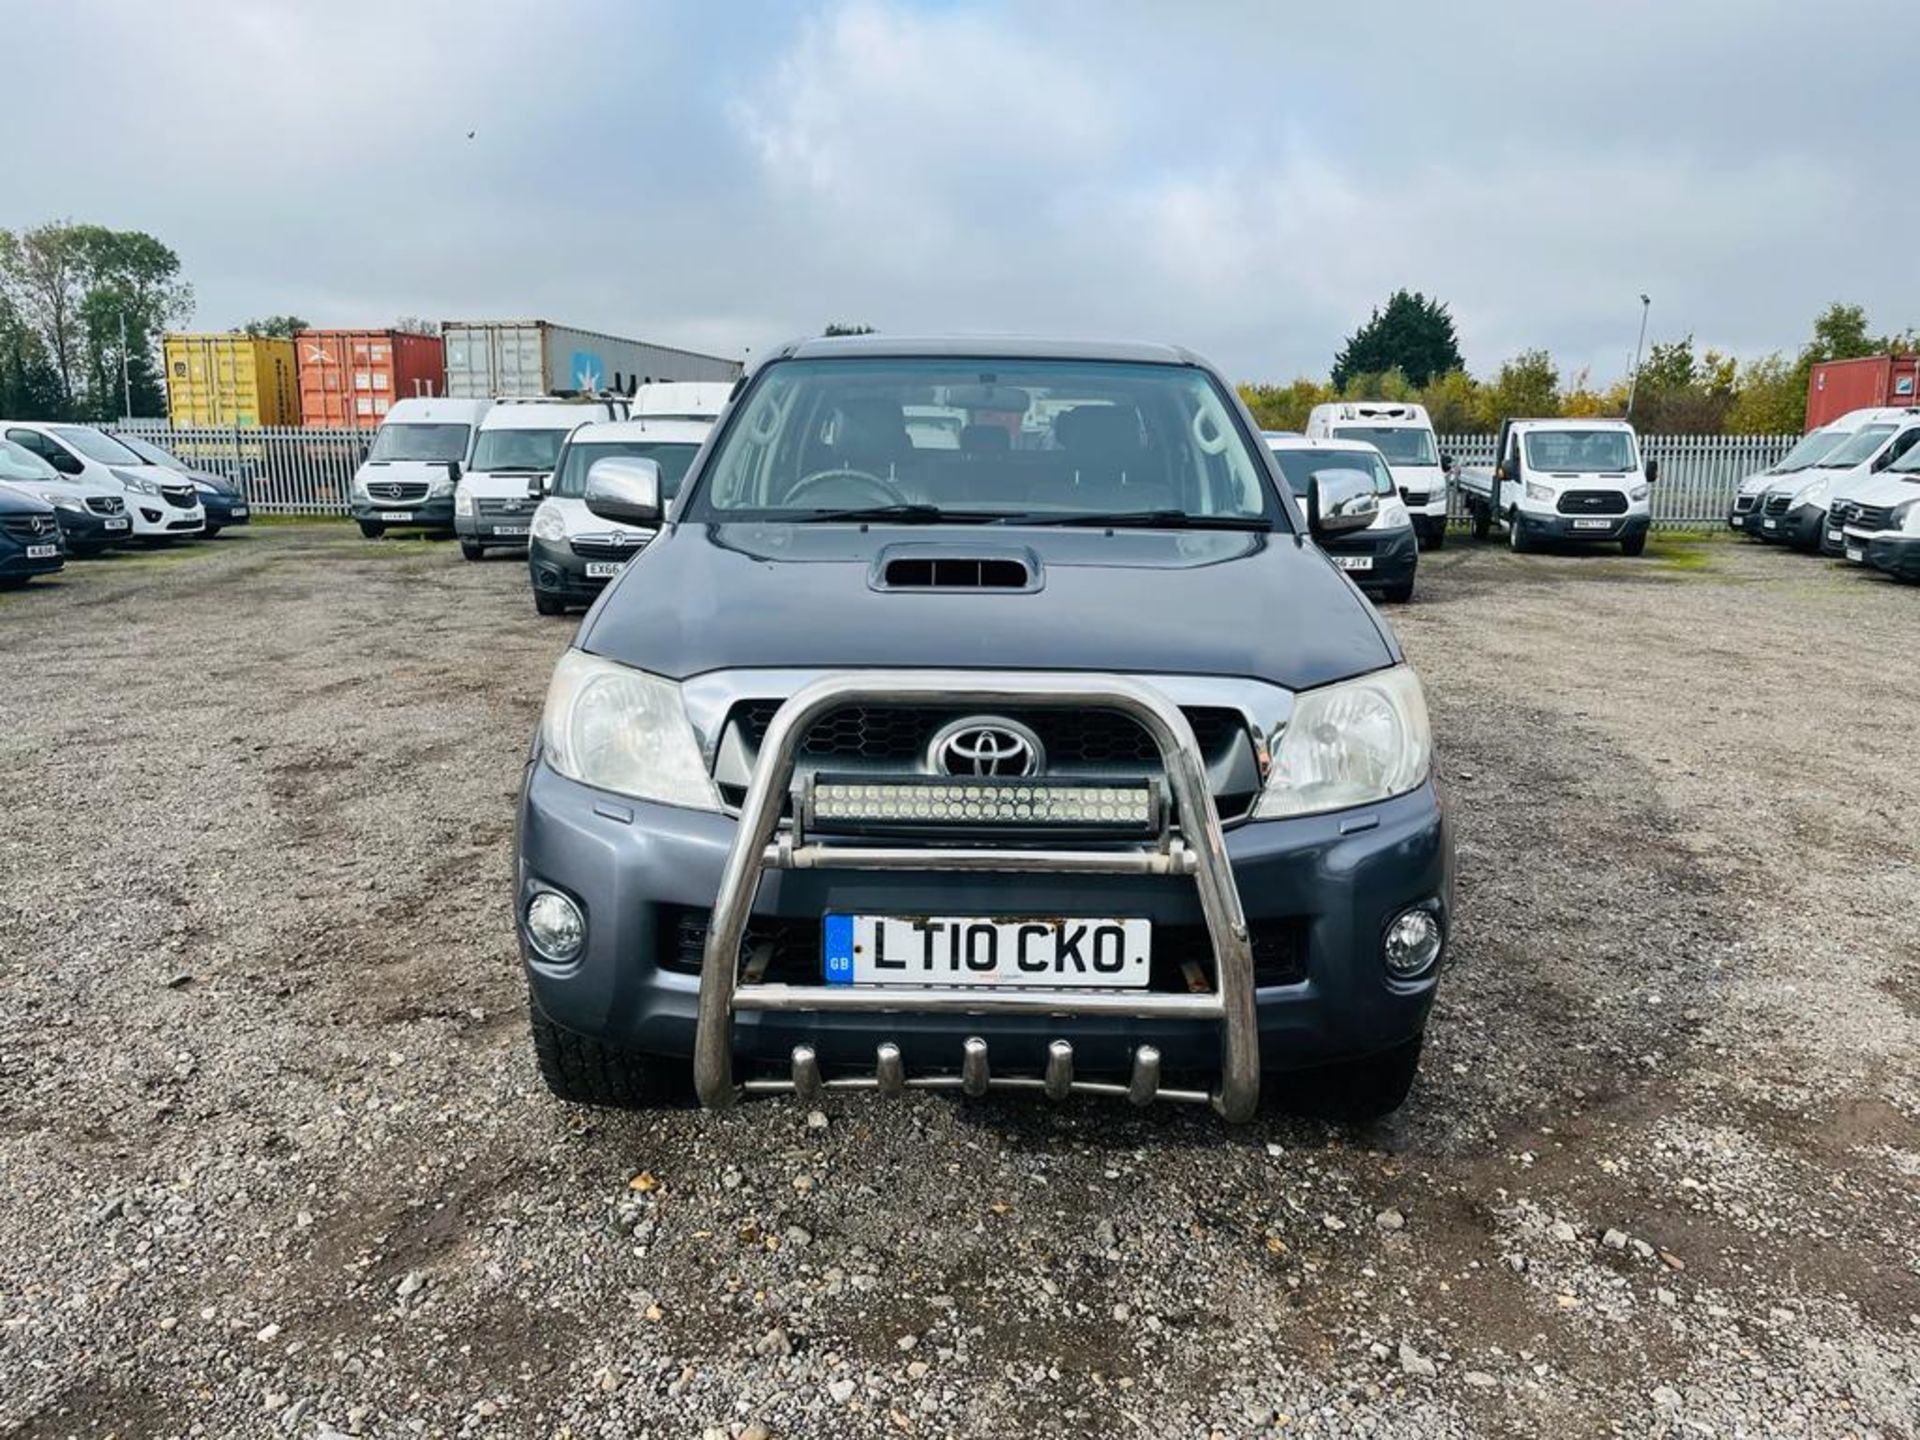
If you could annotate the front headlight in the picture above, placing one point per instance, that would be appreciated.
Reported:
(138, 485)
(1349, 744)
(462, 503)
(1906, 517)
(548, 526)
(1541, 493)
(68, 502)
(621, 729)
(1639, 493)
(442, 486)
(1393, 514)
(1812, 493)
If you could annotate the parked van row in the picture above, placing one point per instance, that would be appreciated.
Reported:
(1849, 489)
(73, 491)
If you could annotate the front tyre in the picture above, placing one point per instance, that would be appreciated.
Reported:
(548, 605)
(1633, 544)
(1518, 540)
(372, 529)
(1354, 1091)
(472, 549)
(1482, 522)
(586, 1071)
(1397, 594)
(1437, 537)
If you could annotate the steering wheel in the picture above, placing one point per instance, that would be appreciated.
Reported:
(887, 492)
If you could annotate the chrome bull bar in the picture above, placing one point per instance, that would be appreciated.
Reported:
(1198, 850)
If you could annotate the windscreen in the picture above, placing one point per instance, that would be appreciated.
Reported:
(1040, 442)
(1810, 449)
(1300, 466)
(673, 458)
(530, 450)
(442, 442)
(150, 453)
(1857, 447)
(96, 446)
(1580, 452)
(1401, 444)
(17, 463)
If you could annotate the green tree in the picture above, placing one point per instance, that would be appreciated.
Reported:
(1840, 333)
(1383, 385)
(1452, 402)
(1527, 386)
(1771, 398)
(1285, 407)
(275, 327)
(1680, 393)
(1413, 335)
(414, 325)
(29, 387)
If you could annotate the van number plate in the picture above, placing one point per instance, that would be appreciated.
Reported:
(396, 517)
(603, 569)
(1047, 952)
(1593, 524)
(1856, 554)
(1354, 562)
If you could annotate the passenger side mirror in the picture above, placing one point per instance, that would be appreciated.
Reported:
(1653, 471)
(453, 471)
(1446, 461)
(625, 489)
(1339, 501)
(1499, 472)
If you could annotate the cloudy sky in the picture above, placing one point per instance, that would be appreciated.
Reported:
(1247, 179)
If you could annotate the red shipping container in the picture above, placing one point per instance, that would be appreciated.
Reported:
(352, 377)
(1836, 386)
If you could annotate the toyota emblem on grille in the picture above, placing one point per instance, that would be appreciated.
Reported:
(987, 745)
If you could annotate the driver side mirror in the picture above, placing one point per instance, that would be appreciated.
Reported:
(1446, 461)
(453, 471)
(1653, 471)
(625, 489)
(1340, 501)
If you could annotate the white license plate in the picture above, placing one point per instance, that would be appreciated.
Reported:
(1354, 562)
(392, 517)
(510, 529)
(1834, 537)
(42, 552)
(118, 523)
(1054, 953)
(239, 512)
(1856, 554)
(1739, 522)
(603, 569)
(1593, 524)
(1770, 524)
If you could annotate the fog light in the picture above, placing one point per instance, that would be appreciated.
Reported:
(1413, 942)
(555, 926)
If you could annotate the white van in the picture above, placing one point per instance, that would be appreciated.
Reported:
(513, 457)
(1402, 432)
(161, 504)
(418, 454)
(1794, 508)
(681, 399)
(1563, 480)
(573, 553)
(1877, 508)
(1809, 450)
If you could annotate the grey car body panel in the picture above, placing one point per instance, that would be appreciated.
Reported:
(1133, 601)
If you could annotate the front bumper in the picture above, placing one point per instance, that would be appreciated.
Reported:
(84, 530)
(1389, 556)
(435, 514)
(1801, 527)
(505, 530)
(1336, 880)
(155, 519)
(1894, 552)
(555, 570)
(1576, 529)
(224, 512)
(15, 563)
(1746, 522)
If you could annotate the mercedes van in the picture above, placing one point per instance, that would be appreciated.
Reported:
(418, 454)
(160, 504)
(1402, 432)
(515, 447)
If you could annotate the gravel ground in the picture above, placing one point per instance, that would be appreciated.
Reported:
(274, 1159)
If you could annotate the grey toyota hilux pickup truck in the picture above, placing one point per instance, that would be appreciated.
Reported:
(1037, 748)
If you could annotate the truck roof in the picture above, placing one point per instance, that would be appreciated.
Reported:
(998, 347)
(545, 414)
(668, 429)
(425, 409)
(1382, 413)
(1573, 422)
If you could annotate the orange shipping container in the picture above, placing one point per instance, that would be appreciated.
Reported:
(352, 377)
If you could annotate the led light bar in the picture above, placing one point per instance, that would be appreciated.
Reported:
(985, 802)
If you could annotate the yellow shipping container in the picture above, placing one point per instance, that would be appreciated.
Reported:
(227, 379)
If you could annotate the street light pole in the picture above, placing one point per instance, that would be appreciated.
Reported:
(1633, 385)
(126, 375)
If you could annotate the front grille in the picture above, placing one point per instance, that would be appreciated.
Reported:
(1777, 504)
(1873, 517)
(489, 505)
(1840, 512)
(181, 497)
(106, 504)
(42, 528)
(895, 732)
(792, 949)
(1743, 503)
(1592, 502)
(397, 489)
(602, 550)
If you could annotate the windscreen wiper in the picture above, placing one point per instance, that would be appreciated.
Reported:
(909, 512)
(1140, 520)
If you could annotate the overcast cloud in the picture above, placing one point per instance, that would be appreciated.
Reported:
(1247, 179)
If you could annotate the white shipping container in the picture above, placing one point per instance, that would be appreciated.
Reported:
(490, 358)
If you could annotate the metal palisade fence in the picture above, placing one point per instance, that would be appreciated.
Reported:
(293, 471)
